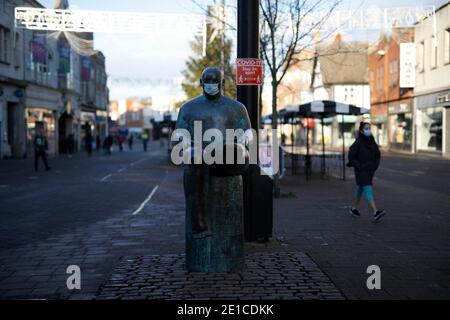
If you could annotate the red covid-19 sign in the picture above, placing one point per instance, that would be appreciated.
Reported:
(249, 72)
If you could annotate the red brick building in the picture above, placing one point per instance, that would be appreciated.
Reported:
(391, 105)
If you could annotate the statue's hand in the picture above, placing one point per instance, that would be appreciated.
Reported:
(235, 161)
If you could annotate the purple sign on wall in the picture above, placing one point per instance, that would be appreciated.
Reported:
(39, 47)
(64, 55)
(85, 68)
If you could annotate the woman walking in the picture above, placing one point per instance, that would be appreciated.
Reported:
(364, 156)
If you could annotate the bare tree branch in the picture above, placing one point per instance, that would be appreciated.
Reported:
(210, 15)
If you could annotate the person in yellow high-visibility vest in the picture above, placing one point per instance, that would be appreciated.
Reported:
(144, 137)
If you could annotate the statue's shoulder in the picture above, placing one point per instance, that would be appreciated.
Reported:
(236, 105)
(232, 103)
(188, 105)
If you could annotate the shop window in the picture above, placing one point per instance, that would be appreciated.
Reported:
(400, 133)
(5, 40)
(433, 52)
(390, 73)
(17, 56)
(135, 115)
(379, 133)
(40, 65)
(447, 46)
(348, 128)
(380, 78)
(429, 130)
(395, 73)
(421, 56)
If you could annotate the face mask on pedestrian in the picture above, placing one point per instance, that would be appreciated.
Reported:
(211, 88)
(367, 132)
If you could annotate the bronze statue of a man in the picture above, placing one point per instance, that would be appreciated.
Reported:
(213, 192)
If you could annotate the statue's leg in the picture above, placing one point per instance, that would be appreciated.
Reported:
(196, 184)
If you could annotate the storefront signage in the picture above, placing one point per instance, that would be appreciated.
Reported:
(407, 65)
(88, 116)
(86, 68)
(18, 93)
(443, 98)
(400, 108)
(64, 55)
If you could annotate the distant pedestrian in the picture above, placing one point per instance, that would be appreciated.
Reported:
(89, 139)
(144, 138)
(130, 142)
(120, 140)
(98, 142)
(107, 144)
(283, 139)
(364, 155)
(40, 144)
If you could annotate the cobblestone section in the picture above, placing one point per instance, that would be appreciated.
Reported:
(280, 275)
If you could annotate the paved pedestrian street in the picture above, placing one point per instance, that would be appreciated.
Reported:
(133, 247)
(120, 218)
(411, 244)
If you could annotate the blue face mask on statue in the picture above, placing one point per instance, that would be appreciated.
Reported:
(367, 132)
(211, 88)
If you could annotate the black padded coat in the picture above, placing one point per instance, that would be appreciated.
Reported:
(364, 155)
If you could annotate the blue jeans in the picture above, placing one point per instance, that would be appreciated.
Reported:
(367, 190)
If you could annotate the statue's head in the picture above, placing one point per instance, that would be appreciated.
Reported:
(212, 82)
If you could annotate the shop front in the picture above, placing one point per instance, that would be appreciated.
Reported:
(41, 119)
(346, 124)
(43, 105)
(69, 128)
(432, 130)
(12, 133)
(379, 129)
(87, 126)
(101, 119)
(327, 131)
(400, 126)
(379, 123)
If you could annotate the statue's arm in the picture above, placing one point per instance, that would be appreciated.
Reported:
(244, 119)
(181, 121)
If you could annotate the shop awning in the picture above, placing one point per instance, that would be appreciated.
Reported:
(322, 109)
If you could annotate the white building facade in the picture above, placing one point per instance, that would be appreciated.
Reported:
(432, 90)
(41, 87)
(341, 74)
(12, 84)
(29, 95)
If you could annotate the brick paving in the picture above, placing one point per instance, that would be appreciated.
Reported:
(135, 249)
(411, 244)
(280, 275)
(318, 251)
